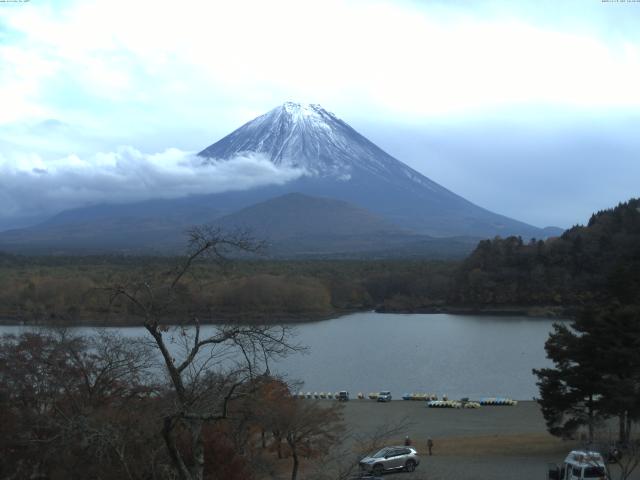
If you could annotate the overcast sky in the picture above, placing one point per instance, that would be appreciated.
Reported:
(530, 109)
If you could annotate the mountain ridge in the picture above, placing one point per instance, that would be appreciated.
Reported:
(340, 165)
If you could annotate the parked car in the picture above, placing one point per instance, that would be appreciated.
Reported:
(390, 459)
(343, 396)
(384, 396)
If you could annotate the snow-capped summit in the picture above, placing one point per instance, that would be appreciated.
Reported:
(299, 110)
(301, 135)
(309, 137)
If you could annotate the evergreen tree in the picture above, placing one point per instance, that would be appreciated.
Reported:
(596, 372)
(569, 392)
(614, 338)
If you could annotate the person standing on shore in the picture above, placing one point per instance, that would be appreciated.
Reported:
(429, 445)
(407, 441)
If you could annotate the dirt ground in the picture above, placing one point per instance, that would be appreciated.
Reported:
(490, 443)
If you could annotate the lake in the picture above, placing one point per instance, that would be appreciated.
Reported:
(457, 355)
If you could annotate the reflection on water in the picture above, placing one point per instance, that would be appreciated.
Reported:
(456, 355)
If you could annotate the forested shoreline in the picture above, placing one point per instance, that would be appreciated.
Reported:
(587, 265)
(71, 290)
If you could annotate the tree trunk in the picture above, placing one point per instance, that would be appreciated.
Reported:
(278, 438)
(622, 427)
(296, 462)
(174, 453)
(264, 441)
(590, 419)
(197, 448)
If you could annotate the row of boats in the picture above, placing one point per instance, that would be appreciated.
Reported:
(421, 396)
(498, 401)
(328, 395)
(466, 403)
(452, 404)
(431, 399)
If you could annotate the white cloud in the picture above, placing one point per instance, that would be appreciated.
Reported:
(213, 61)
(30, 185)
(153, 74)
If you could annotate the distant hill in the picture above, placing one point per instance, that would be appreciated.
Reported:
(298, 215)
(297, 225)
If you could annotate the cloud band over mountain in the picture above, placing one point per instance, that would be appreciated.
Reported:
(30, 185)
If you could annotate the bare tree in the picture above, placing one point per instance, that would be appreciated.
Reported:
(311, 429)
(212, 369)
(630, 459)
(308, 428)
(623, 458)
(74, 403)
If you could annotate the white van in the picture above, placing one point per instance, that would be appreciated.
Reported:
(580, 465)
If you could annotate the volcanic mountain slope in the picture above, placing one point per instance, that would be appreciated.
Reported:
(401, 209)
(341, 163)
(292, 225)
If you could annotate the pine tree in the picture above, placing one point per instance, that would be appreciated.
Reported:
(569, 393)
(596, 373)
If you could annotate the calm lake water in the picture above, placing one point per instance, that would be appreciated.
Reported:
(457, 355)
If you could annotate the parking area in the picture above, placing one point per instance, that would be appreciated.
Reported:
(492, 443)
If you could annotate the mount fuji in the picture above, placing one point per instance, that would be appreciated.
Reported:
(340, 163)
(351, 197)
